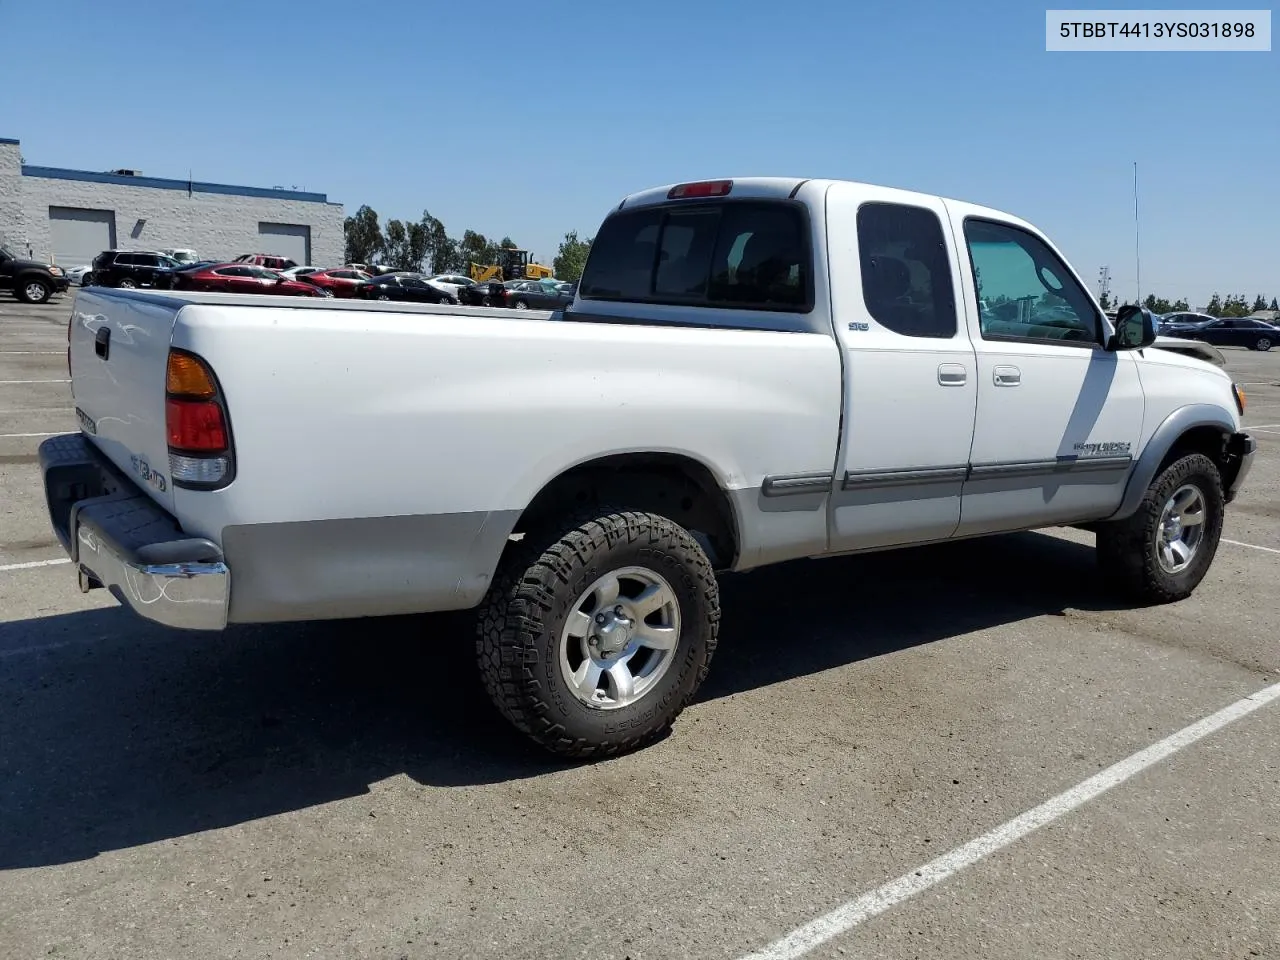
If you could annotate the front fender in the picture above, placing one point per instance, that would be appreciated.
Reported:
(1166, 435)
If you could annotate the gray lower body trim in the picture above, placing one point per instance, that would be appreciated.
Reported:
(875, 479)
(795, 484)
(1027, 469)
(365, 567)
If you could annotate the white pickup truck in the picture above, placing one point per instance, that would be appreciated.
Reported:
(752, 371)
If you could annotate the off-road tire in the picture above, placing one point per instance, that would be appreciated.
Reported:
(1127, 548)
(521, 619)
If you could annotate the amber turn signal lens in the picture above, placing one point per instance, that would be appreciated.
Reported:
(187, 377)
(1241, 402)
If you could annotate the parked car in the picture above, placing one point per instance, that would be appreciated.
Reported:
(131, 268)
(237, 277)
(269, 260)
(30, 280)
(450, 283)
(539, 295)
(184, 255)
(75, 276)
(340, 282)
(1186, 319)
(805, 373)
(1232, 332)
(487, 293)
(396, 286)
(294, 272)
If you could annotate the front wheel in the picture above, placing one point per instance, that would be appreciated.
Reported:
(595, 635)
(33, 291)
(126, 284)
(1162, 552)
(1264, 343)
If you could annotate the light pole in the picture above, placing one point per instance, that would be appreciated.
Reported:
(1137, 250)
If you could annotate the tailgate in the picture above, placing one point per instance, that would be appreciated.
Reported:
(119, 352)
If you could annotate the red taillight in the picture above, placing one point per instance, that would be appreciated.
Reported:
(199, 436)
(706, 188)
(196, 426)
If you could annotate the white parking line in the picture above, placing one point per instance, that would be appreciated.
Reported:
(1261, 426)
(846, 917)
(7, 383)
(12, 436)
(31, 353)
(32, 564)
(1251, 546)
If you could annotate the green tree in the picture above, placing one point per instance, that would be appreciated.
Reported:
(1235, 306)
(1274, 305)
(572, 257)
(441, 251)
(1157, 304)
(474, 248)
(1260, 302)
(363, 236)
(1180, 304)
(1214, 309)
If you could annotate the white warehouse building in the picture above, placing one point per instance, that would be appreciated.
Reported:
(68, 217)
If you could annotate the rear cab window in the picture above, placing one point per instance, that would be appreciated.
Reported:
(745, 254)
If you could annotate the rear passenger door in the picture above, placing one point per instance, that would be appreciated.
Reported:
(910, 385)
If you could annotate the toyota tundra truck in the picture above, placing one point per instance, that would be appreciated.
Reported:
(752, 371)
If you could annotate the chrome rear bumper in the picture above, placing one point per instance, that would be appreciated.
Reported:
(119, 538)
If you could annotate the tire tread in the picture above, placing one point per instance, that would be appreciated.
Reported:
(513, 616)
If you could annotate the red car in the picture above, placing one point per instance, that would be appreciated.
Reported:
(242, 278)
(340, 281)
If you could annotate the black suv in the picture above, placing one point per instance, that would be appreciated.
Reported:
(30, 280)
(132, 268)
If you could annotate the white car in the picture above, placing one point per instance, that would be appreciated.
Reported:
(294, 272)
(449, 283)
(76, 274)
(752, 371)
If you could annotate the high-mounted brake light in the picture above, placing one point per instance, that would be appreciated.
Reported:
(196, 426)
(705, 188)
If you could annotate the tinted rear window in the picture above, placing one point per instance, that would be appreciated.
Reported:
(743, 254)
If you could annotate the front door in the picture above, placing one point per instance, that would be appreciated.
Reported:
(1059, 416)
(910, 370)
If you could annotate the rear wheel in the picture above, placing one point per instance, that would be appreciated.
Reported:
(598, 632)
(126, 283)
(522, 304)
(1264, 343)
(33, 291)
(1163, 551)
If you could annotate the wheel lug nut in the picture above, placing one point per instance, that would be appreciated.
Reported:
(618, 609)
(599, 618)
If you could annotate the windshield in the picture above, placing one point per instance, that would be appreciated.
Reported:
(4, 252)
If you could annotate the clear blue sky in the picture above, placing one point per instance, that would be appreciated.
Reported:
(383, 103)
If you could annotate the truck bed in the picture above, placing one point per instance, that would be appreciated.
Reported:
(384, 452)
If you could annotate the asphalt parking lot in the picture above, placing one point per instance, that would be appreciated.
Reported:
(347, 791)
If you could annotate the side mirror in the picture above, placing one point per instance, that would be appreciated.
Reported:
(1135, 328)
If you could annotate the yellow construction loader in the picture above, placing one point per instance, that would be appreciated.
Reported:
(514, 265)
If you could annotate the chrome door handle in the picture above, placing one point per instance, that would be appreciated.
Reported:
(1007, 376)
(952, 374)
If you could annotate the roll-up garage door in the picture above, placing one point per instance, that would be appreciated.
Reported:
(286, 240)
(78, 235)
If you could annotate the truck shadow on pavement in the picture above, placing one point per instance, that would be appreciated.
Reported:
(117, 733)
